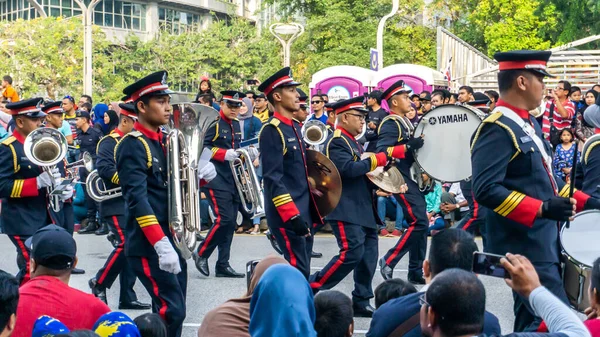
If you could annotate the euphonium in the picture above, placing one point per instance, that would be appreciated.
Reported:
(46, 147)
(188, 125)
(96, 189)
(314, 132)
(247, 184)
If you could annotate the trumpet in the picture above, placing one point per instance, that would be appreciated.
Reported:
(86, 162)
(47, 147)
(247, 184)
(96, 189)
(314, 132)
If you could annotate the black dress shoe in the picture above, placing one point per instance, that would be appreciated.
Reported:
(228, 272)
(112, 238)
(201, 264)
(77, 271)
(363, 310)
(97, 290)
(91, 227)
(385, 270)
(316, 255)
(135, 305)
(103, 230)
(273, 242)
(416, 279)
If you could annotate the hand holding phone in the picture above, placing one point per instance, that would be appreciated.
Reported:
(524, 278)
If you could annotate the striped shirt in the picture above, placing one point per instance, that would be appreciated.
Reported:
(559, 122)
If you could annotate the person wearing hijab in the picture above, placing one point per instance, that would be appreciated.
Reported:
(232, 318)
(249, 124)
(98, 121)
(282, 304)
(111, 119)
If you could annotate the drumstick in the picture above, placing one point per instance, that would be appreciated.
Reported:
(572, 183)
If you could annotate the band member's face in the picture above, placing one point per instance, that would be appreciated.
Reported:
(67, 105)
(289, 98)
(403, 102)
(353, 122)
(533, 87)
(158, 110)
(26, 125)
(463, 96)
(54, 120)
(230, 111)
(436, 101)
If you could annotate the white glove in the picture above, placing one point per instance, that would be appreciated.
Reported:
(67, 193)
(253, 152)
(44, 180)
(231, 154)
(208, 172)
(168, 260)
(56, 176)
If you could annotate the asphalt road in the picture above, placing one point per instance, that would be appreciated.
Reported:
(206, 293)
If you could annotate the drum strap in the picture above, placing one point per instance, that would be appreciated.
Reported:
(529, 131)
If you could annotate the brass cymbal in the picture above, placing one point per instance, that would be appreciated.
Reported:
(325, 181)
(389, 181)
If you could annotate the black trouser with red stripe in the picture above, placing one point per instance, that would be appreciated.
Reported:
(414, 239)
(473, 221)
(116, 264)
(358, 252)
(296, 249)
(23, 255)
(225, 206)
(64, 218)
(167, 290)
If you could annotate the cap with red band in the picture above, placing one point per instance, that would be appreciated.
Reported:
(29, 107)
(533, 60)
(152, 85)
(53, 108)
(397, 88)
(128, 110)
(282, 78)
(346, 105)
(233, 97)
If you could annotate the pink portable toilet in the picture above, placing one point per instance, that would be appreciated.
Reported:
(417, 77)
(341, 82)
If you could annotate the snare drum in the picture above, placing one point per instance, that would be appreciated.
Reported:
(446, 152)
(580, 248)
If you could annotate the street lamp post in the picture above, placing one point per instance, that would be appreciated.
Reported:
(380, 28)
(87, 44)
(286, 33)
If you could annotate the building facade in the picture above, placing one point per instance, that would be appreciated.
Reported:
(120, 18)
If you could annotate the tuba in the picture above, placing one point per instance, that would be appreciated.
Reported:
(46, 147)
(189, 123)
(247, 184)
(96, 189)
(314, 132)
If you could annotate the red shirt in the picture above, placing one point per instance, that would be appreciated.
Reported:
(559, 122)
(47, 295)
(593, 326)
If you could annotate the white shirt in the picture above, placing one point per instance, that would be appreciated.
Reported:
(455, 189)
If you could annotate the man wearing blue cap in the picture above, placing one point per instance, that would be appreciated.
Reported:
(23, 186)
(289, 205)
(396, 139)
(222, 139)
(113, 213)
(512, 177)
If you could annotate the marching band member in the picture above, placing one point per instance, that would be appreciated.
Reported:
(112, 211)
(64, 218)
(590, 157)
(289, 206)
(354, 220)
(223, 138)
(301, 114)
(143, 174)
(23, 185)
(512, 177)
(395, 138)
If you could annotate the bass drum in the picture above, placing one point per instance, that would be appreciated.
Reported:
(580, 248)
(446, 153)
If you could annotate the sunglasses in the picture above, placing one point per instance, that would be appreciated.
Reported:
(69, 98)
(316, 102)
